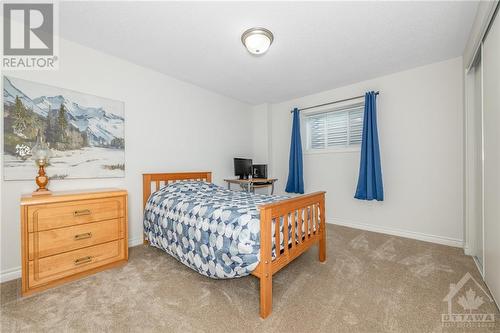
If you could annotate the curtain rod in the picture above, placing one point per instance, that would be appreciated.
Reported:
(334, 102)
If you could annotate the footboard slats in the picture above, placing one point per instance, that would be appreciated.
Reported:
(303, 221)
(300, 223)
(277, 235)
(285, 235)
(315, 219)
(307, 217)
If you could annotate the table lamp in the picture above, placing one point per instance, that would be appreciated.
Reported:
(41, 153)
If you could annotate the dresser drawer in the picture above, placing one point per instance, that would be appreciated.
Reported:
(61, 265)
(54, 241)
(58, 215)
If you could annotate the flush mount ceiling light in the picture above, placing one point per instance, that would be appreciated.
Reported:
(257, 40)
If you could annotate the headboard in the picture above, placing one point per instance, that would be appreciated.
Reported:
(163, 179)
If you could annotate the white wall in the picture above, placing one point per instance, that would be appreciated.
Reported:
(170, 125)
(420, 118)
(260, 134)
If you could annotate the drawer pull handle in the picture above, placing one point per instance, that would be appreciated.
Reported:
(83, 236)
(83, 260)
(82, 212)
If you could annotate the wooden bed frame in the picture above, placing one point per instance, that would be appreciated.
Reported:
(308, 210)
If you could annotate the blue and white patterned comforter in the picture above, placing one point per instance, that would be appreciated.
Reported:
(206, 227)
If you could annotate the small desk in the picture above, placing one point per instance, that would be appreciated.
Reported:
(250, 184)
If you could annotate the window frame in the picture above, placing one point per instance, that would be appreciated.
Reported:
(328, 150)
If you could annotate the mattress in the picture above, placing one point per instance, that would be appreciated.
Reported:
(210, 229)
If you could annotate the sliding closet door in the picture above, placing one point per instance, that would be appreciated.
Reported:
(491, 112)
(475, 162)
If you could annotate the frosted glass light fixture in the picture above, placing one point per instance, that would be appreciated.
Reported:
(257, 40)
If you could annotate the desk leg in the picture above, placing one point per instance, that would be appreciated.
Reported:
(228, 185)
(272, 188)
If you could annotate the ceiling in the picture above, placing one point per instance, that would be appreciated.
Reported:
(318, 45)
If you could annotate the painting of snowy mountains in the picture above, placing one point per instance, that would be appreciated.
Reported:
(85, 133)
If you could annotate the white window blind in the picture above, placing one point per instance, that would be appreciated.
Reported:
(333, 129)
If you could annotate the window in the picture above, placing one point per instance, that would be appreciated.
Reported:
(339, 128)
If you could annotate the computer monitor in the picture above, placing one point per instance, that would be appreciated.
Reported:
(242, 167)
(259, 171)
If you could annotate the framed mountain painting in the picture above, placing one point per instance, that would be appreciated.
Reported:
(85, 133)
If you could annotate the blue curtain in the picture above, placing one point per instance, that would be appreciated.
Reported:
(370, 185)
(295, 183)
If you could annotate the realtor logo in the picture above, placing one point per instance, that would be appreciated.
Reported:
(467, 302)
(28, 36)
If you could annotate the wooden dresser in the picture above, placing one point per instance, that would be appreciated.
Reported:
(68, 235)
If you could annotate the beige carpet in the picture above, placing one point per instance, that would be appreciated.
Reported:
(370, 283)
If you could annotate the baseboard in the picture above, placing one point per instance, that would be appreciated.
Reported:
(10, 274)
(401, 233)
(15, 273)
(135, 241)
(478, 266)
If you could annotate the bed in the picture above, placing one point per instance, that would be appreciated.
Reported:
(227, 234)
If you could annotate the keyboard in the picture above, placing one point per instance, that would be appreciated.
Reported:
(262, 183)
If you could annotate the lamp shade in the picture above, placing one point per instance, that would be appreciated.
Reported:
(40, 151)
(257, 40)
